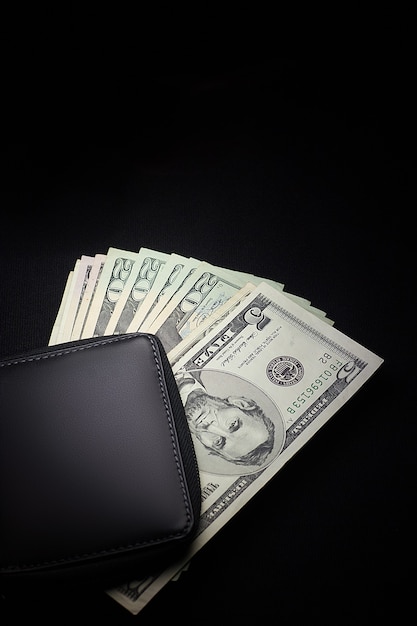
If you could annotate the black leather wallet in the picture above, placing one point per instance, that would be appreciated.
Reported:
(98, 476)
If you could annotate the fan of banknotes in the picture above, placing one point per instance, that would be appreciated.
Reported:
(259, 369)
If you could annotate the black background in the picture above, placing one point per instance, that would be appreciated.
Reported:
(295, 168)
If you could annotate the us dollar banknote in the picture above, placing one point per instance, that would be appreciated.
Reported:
(256, 389)
(207, 288)
(138, 285)
(88, 294)
(165, 285)
(209, 323)
(158, 312)
(114, 274)
(76, 295)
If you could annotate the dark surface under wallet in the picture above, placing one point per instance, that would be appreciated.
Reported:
(98, 476)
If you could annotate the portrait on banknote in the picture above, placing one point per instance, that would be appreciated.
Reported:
(236, 427)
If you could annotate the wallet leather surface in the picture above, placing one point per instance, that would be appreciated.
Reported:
(97, 465)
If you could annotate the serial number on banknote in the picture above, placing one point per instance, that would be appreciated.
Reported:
(330, 371)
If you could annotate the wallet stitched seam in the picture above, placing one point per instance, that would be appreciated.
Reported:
(127, 547)
(61, 352)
